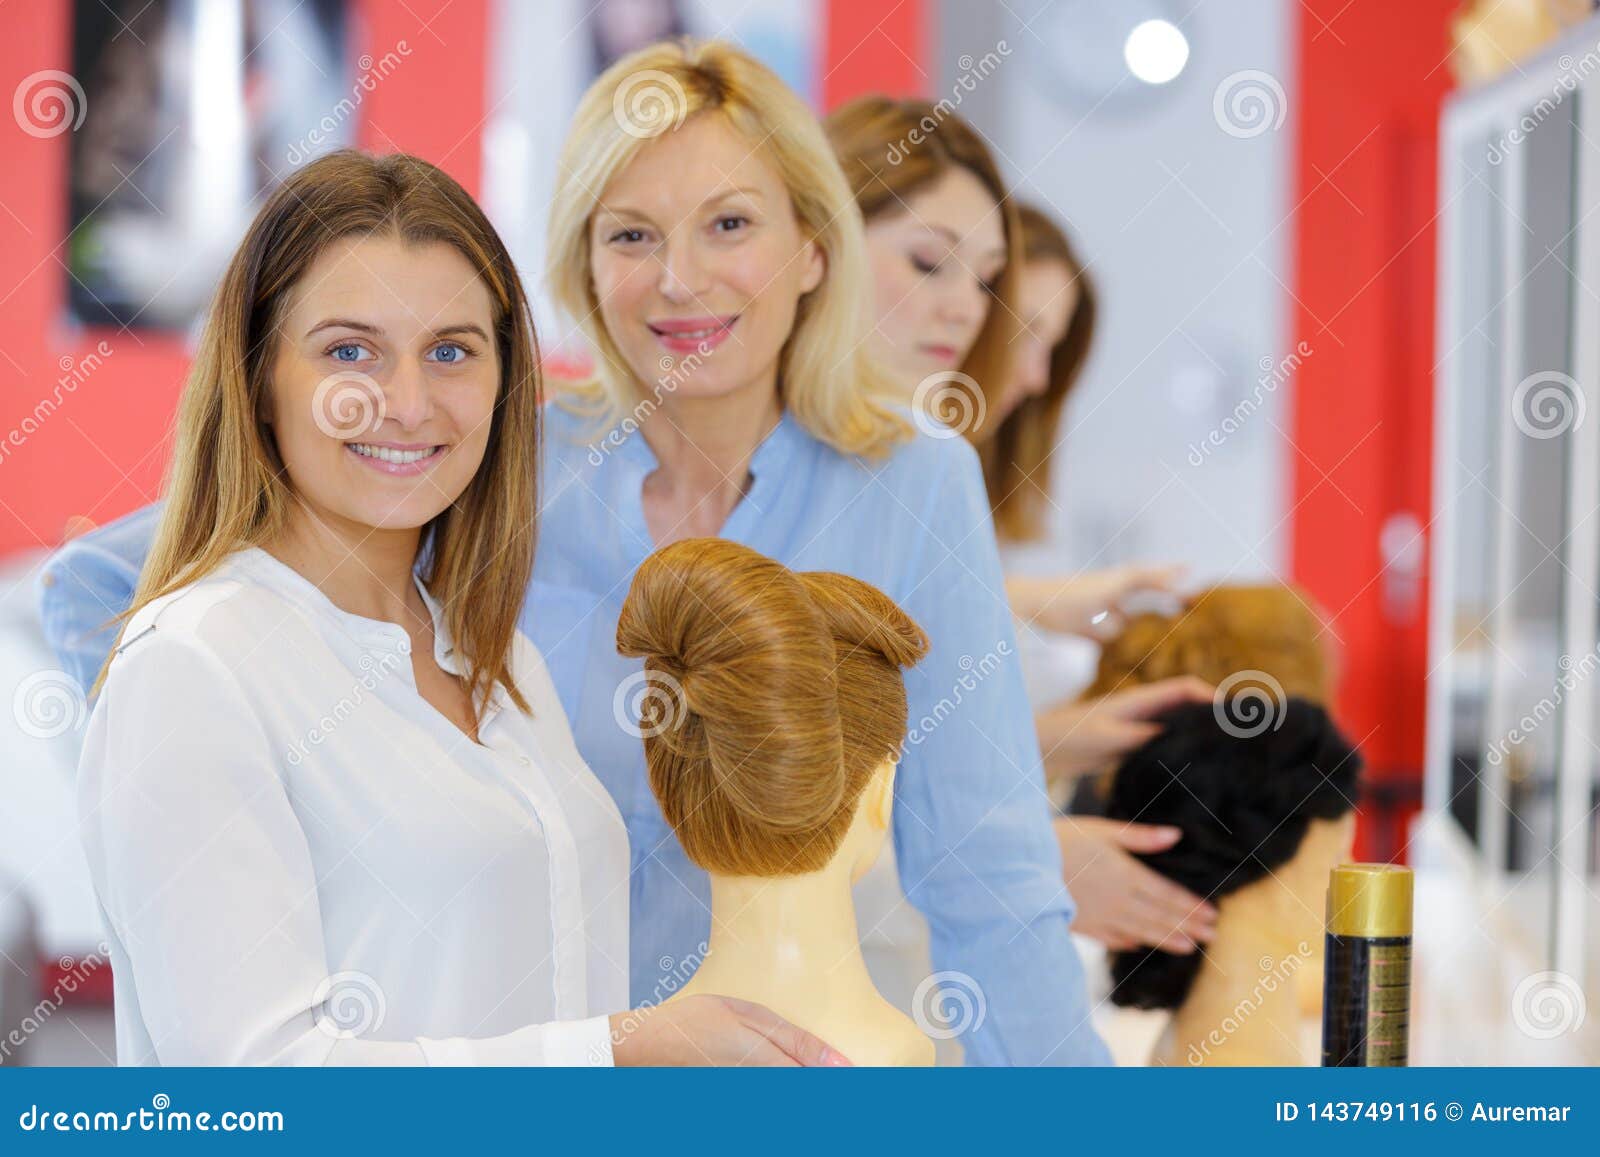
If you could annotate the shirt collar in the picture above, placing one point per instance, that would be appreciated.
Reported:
(379, 634)
(768, 458)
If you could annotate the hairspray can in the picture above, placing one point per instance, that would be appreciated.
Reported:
(1366, 993)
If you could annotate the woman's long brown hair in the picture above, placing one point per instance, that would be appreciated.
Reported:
(1017, 457)
(227, 487)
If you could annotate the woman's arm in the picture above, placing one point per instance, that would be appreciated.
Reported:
(1088, 603)
(972, 828)
(88, 583)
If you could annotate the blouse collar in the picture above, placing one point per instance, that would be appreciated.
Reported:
(375, 634)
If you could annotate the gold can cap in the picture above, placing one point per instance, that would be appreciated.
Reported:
(1369, 900)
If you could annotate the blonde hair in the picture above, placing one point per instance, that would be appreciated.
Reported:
(1225, 632)
(226, 487)
(891, 149)
(1017, 457)
(773, 698)
(826, 377)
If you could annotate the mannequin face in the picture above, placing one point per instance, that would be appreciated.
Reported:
(699, 262)
(1048, 299)
(933, 264)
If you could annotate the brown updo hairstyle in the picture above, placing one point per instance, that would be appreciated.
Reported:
(1017, 455)
(1226, 631)
(773, 698)
(892, 149)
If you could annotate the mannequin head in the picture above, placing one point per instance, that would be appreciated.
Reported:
(1264, 817)
(1227, 630)
(776, 710)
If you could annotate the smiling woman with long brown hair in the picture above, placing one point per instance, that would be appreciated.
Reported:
(332, 808)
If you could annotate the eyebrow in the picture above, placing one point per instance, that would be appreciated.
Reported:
(955, 239)
(717, 199)
(368, 328)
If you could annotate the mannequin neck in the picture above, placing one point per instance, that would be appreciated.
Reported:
(1244, 1006)
(792, 932)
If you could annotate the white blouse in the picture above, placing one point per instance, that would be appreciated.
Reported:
(299, 860)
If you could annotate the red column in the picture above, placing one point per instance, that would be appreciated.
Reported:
(872, 46)
(1371, 78)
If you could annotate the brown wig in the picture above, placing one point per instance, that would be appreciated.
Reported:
(774, 697)
(890, 150)
(1226, 632)
(227, 487)
(1017, 456)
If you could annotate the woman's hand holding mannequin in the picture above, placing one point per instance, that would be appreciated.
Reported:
(1082, 736)
(715, 1030)
(1121, 902)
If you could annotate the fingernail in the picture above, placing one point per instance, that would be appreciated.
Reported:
(837, 1060)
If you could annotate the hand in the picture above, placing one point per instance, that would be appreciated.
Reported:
(1086, 604)
(1121, 902)
(714, 1030)
(1083, 736)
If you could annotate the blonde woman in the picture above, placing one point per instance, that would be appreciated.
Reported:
(983, 312)
(332, 809)
(707, 242)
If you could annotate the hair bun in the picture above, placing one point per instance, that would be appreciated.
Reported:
(724, 630)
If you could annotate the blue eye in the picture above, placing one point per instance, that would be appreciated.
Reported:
(626, 236)
(347, 352)
(456, 352)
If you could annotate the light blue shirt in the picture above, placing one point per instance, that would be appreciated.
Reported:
(972, 836)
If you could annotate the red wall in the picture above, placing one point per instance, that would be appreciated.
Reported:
(1370, 81)
(102, 452)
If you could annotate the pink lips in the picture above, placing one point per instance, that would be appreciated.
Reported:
(420, 466)
(689, 335)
